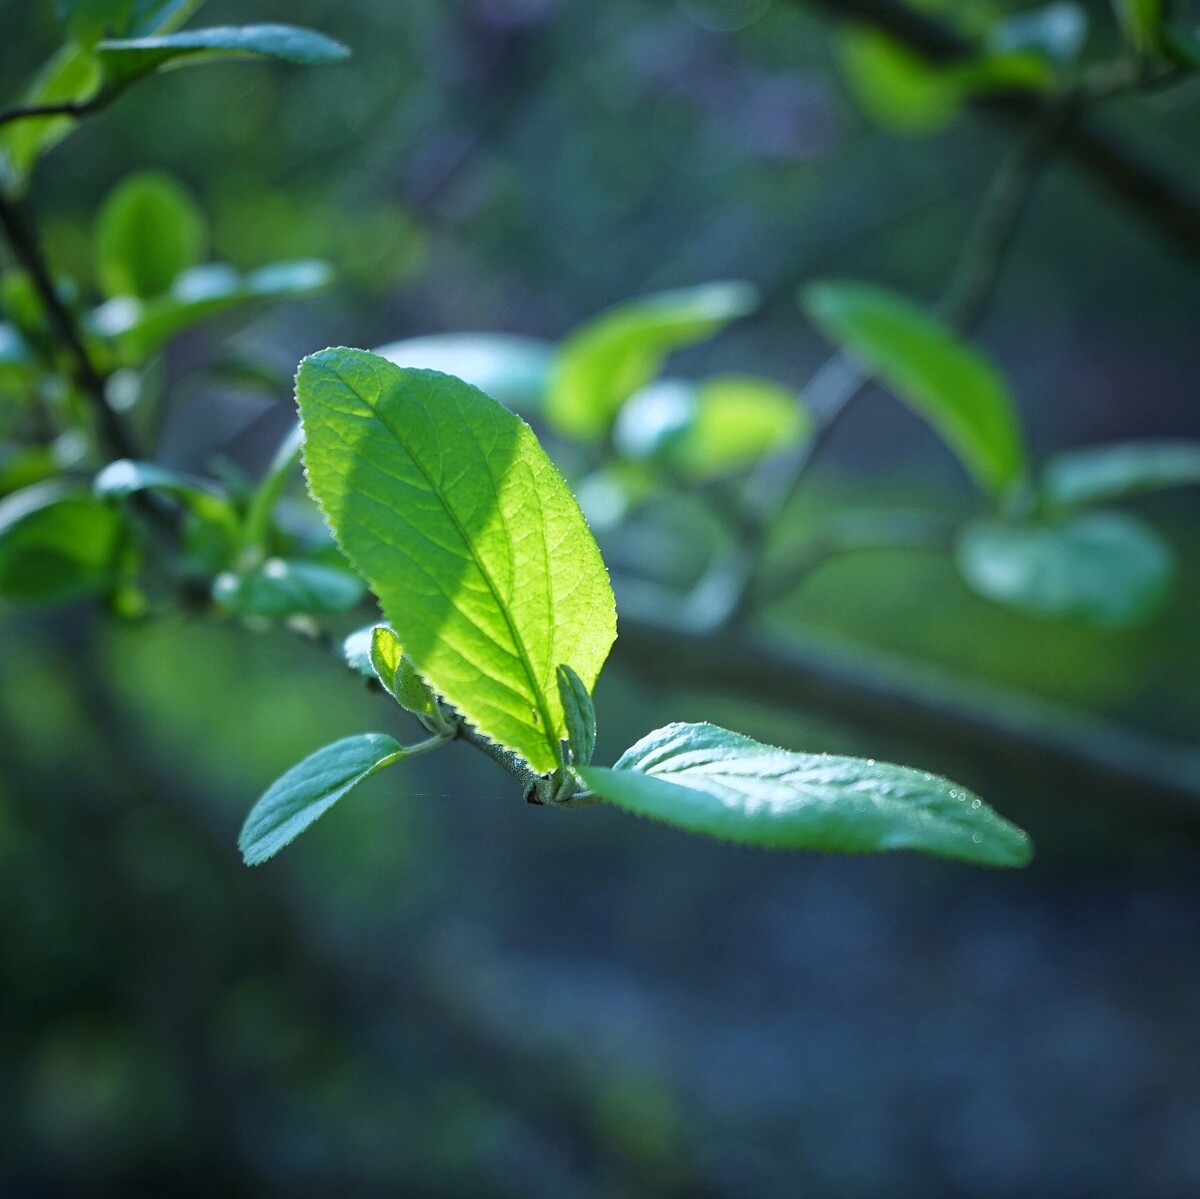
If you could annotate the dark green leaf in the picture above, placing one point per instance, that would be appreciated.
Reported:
(513, 370)
(310, 789)
(446, 503)
(87, 21)
(1112, 472)
(278, 589)
(579, 715)
(148, 232)
(124, 478)
(1104, 568)
(605, 361)
(56, 543)
(930, 369)
(124, 60)
(709, 780)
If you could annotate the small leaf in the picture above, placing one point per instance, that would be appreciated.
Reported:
(124, 60)
(149, 230)
(446, 503)
(125, 477)
(310, 789)
(931, 370)
(1112, 472)
(605, 361)
(710, 780)
(514, 370)
(579, 715)
(1141, 21)
(139, 328)
(1104, 568)
(712, 428)
(278, 589)
(56, 543)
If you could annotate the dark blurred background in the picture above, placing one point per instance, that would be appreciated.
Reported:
(440, 991)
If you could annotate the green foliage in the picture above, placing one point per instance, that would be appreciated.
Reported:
(606, 360)
(1141, 21)
(1104, 568)
(926, 366)
(709, 780)
(310, 789)
(148, 232)
(445, 503)
(578, 714)
(278, 588)
(1100, 474)
(124, 478)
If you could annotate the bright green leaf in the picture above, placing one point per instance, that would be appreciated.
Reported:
(148, 232)
(124, 60)
(605, 361)
(934, 372)
(446, 503)
(1103, 568)
(139, 328)
(1140, 21)
(278, 589)
(310, 789)
(715, 427)
(514, 370)
(1111, 472)
(579, 715)
(709, 780)
(56, 543)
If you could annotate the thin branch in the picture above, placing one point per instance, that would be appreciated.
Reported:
(65, 108)
(23, 240)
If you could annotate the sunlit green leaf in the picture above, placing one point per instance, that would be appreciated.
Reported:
(1103, 568)
(310, 789)
(124, 60)
(709, 780)
(514, 370)
(1112, 472)
(939, 376)
(444, 501)
(279, 588)
(148, 232)
(605, 361)
(56, 543)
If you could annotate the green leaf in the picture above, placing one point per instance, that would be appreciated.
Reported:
(1141, 21)
(279, 588)
(894, 87)
(579, 715)
(70, 75)
(925, 365)
(125, 477)
(514, 370)
(56, 543)
(605, 361)
(124, 60)
(1112, 472)
(87, 21)
(310, 789)
(148, 232)
(446, 503)
(18, 363)
(1103, 568)
(139, 328)
(1183, 49)
(709, 780)
(716, 427)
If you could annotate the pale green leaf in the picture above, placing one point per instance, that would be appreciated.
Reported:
(1103, 568)
(139, 328)
(278, 589)
(56, 543)
(930, 369)
(1112, 472)
(148, 232)
(579, 715)
(446, 503)
(310, 789)
(124, 60)
(710, 780)
(605, 361)
(514, 370)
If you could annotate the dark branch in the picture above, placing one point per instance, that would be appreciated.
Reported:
(65, 108)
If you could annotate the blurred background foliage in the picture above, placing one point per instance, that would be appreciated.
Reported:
(441, 991)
